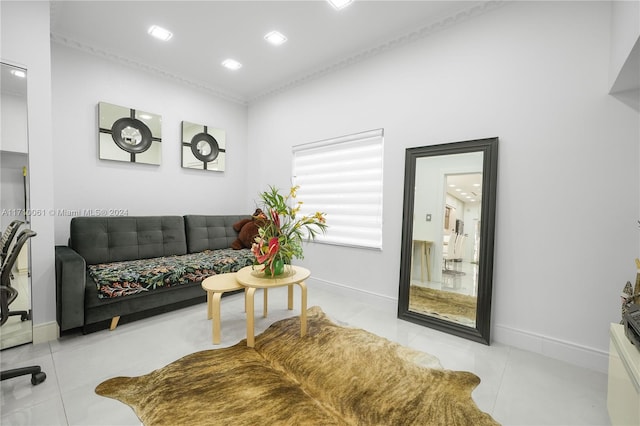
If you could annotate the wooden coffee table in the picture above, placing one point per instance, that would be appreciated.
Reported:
(253, 278)
(215, 286)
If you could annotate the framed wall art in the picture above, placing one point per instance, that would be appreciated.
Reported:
(203, 147)
(129, 135)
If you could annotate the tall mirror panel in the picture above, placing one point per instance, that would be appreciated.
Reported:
(15, 300)
(447, 237)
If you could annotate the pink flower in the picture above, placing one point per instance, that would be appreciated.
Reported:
(272, 250)
(274, 245)
(275, 217)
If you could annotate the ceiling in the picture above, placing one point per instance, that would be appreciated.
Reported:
(11, 84)
(320, 38)
(465, 187)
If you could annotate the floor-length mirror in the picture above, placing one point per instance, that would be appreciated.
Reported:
(16, 328)
(447, 237)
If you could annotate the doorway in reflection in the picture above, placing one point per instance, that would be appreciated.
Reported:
(461, 234)
(449, 290)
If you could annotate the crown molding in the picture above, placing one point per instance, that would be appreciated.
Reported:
(434, 26)
(75, 44)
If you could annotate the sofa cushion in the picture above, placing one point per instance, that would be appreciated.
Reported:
(210, 232)
(114, 239)
(136, 276)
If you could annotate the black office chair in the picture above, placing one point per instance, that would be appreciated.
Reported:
(7, 238)
(7, 295)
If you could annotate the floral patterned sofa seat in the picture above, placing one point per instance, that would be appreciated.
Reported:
(133, 267)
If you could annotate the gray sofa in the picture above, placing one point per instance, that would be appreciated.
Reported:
(102, 242)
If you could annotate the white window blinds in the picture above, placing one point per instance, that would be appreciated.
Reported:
(342, 177)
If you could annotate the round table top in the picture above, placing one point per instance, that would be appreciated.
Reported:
(221, 282)
(253, 276)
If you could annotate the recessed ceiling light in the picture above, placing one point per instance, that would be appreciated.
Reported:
(19, 73)
(160, 33)
(275, 37)
(340, 4)
(232, 64)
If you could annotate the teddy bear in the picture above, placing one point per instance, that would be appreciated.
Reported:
(248, 230)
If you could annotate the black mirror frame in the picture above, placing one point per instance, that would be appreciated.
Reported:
(489, 147)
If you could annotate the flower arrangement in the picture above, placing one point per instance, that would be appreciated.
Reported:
(280, 237)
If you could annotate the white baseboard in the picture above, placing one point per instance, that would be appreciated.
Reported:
(361, 295)
(45, 332)
(582, 356)
(572, 353)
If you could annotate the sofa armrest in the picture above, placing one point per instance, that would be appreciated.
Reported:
(71, 270)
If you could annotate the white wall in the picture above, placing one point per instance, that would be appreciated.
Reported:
(13, 135)
(82, 181)
(25, 42)
(535, 74)
(625, 32)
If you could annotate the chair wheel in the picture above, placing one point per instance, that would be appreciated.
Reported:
(24, 317)
(38, 378)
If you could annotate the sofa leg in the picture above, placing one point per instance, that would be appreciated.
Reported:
(114, 322)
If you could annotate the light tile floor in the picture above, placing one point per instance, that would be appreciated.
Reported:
(15, 331)
(517, 387)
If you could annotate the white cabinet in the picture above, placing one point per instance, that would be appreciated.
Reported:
(623, 392)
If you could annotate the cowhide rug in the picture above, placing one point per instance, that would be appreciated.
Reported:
(445, 304)
(333, 376)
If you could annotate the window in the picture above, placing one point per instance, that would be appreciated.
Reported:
(342, 177)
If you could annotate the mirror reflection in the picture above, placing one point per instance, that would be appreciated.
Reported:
(446, 218)
(130, 135)
(16, 326)
(203, 147)
(447, 247)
